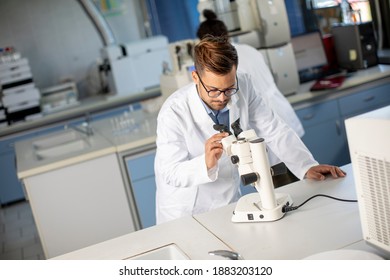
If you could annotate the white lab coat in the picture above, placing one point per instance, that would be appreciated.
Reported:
(251, 61)
(183, 183)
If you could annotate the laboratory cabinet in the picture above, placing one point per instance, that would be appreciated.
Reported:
(323, 122)
(11, 189)
(79, 205)
(365, 101)
(324, 135)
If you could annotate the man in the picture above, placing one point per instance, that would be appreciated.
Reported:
(193, 174)
(252, 62)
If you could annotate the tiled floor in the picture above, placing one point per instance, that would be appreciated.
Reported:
(18, 234)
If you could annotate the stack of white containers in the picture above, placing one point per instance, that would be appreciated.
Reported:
(19, 97)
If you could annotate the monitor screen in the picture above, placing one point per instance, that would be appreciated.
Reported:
(310, 56)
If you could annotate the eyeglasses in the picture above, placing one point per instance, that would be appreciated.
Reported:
(214, 93)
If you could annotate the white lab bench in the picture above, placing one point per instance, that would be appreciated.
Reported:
(320, 225)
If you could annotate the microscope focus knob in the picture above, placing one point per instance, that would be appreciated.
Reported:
(235, 159)
(249, 178)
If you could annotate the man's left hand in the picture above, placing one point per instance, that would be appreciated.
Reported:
(318, 172)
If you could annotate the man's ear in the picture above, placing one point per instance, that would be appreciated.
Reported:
(195, 77)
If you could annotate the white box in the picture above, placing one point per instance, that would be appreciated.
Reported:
(23, 106)
(8, 66)
(21, 97)
(20, 76)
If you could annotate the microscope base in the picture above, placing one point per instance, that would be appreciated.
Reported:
(249, 209)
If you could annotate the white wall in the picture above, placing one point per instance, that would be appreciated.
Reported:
(59, 39)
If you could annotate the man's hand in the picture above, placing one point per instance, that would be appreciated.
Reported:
(318, 172)
(214, 149)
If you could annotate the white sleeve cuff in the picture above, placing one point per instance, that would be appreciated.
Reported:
(213, 173)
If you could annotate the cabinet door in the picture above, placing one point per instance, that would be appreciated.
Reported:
(10, 187)
(145, 197)
(324, 134)
(365, 101)
(327, 142)
(140, 169)
(79, 205)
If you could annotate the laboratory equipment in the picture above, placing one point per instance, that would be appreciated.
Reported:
(264, 25)
(286, 77)
(59, 97)
(355, 45)
(179, 74)
(368, 139)
(248, 151)
(131, 67)
(310, 55)
(136, 66)
(267, 18)
(18, 94)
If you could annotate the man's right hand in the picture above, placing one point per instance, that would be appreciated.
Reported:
(214, 149)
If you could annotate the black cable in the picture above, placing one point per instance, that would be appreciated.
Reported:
(292, 208)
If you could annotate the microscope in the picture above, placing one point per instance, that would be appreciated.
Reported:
(248, 152)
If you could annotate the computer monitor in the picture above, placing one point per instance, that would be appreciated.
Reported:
(310, 56)
(369, 145)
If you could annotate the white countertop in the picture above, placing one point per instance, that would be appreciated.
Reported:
(320, 225)
(29, 164)
(104, 141)
(132, 135)
(193, 239)
(91, 105)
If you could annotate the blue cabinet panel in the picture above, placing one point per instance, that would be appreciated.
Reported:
(365, 101)
(318, 113)
(141, 167)
(327, 143)
(324, 133)
(145, 196)
(141, 173)
(10, 188)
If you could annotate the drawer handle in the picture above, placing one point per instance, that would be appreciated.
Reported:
(368, 99)
(308, 117)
